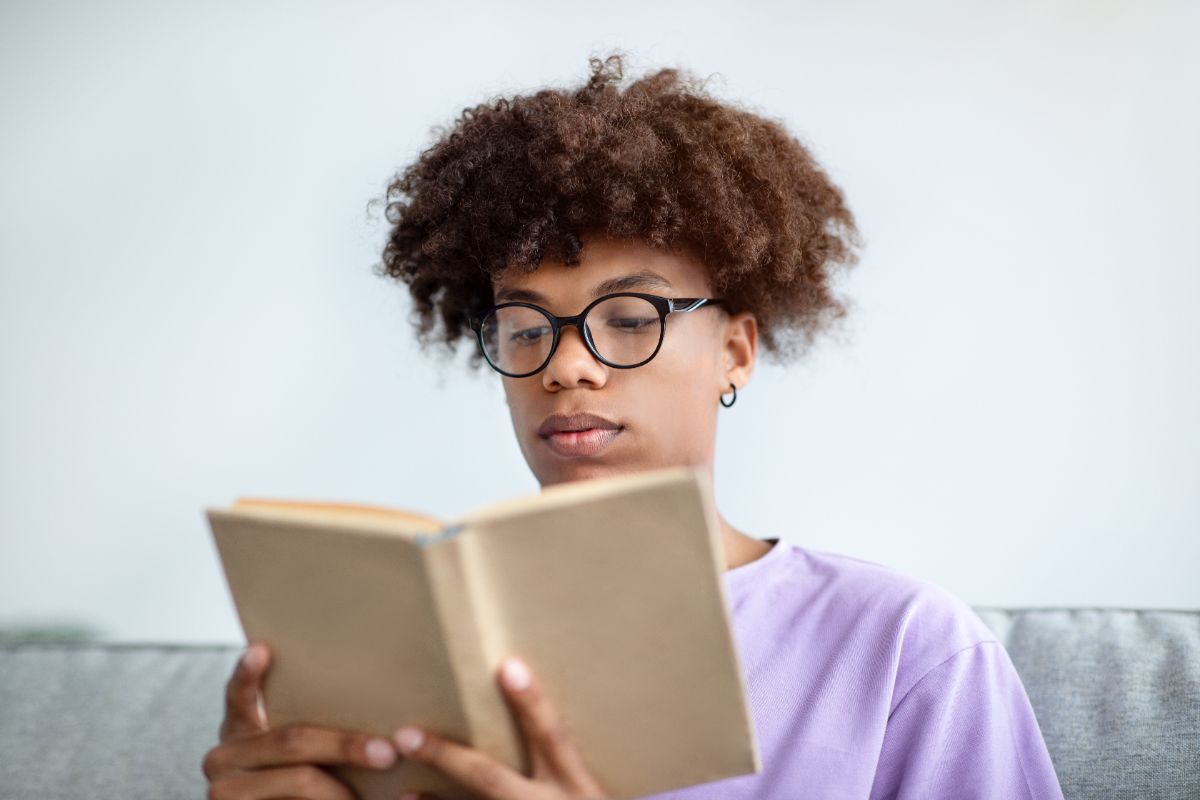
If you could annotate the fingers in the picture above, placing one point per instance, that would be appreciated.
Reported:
(299, 744)
(469, 767)
(242, 715)
(254, 762)
(557, 764)
(550, 742)
(308, 782)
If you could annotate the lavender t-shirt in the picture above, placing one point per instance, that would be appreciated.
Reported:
(866, 683)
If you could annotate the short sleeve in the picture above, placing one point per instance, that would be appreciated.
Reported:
(965, 730)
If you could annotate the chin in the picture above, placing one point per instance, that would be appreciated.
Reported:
(570, 472)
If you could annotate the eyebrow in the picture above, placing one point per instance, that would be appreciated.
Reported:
(642, 279)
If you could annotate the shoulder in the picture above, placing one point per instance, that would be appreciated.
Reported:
(915, 625)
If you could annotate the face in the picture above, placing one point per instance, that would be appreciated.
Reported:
(661, 414)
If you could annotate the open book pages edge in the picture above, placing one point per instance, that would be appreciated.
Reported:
(389, 519)
(362, 517)
(563, 494)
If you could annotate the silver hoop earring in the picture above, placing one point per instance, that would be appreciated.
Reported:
(732, 400)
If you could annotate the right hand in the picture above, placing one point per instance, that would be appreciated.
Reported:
(253, 762)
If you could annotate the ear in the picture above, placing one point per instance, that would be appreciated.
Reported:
(739, 349)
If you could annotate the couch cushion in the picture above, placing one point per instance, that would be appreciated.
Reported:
(109, 721)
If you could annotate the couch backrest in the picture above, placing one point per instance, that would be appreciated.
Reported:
(1117, 695)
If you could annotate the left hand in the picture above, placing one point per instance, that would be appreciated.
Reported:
(558, 769)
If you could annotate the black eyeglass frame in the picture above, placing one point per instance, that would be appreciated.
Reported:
(664, 306)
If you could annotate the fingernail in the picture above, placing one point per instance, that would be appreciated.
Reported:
(409, 739)
(253, 657)
(516, 674)
(380, 753)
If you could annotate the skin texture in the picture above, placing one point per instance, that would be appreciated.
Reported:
(668, 409)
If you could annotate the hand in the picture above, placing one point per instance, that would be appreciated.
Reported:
(558, 770)
(253, 762)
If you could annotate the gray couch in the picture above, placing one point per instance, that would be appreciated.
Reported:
(1117, 694)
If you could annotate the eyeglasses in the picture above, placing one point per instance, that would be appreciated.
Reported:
(623, 330)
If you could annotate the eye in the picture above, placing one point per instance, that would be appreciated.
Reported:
(528, 335)
(632, 324)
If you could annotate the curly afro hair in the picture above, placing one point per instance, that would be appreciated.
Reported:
(525, 178)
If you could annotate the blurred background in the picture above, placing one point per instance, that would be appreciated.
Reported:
(188, 311)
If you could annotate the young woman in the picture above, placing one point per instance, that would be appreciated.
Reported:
(618, 257)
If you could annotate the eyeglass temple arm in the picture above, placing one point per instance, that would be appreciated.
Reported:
(686, 304)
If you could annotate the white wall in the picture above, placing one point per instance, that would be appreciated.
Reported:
(188, 314)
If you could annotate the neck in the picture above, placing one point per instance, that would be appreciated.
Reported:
(739, 547)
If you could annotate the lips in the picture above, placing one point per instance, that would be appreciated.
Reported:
(580, 434)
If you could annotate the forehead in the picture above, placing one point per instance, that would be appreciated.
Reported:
(606, 265)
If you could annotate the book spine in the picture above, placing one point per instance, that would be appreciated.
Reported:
(474, 642)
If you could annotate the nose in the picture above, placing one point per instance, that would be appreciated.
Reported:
(573, 364)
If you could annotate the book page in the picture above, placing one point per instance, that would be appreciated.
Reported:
(349, 614)
(613, 593)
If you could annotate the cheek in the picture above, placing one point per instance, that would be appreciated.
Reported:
(517, 398)
(523, 411)
(519, 395)
(676, 405)
(691, 366)
(679, 394)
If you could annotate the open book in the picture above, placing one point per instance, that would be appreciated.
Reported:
(609, 588)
